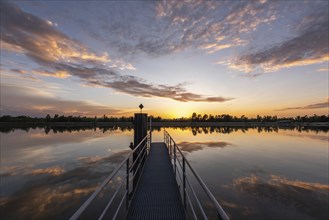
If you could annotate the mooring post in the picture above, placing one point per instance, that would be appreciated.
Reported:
(140, 131)
(140, 127)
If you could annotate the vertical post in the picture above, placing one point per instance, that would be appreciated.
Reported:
(175, 158)
(150, 130)
(169, 146)
(127, 184)
(184, 182)
(140, 127)
(140, 131)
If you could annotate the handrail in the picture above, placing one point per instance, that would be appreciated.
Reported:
(85, 205)
(220, 211)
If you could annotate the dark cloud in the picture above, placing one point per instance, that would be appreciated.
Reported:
(138, 87)
(312, 106)
(195, 146)
(309, 46)
(60, 56)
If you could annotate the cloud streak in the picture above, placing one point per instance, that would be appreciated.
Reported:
(311, 106)
(61, 56)
(29, 101)
(309, 46)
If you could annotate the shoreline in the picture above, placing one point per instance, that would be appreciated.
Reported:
(165, 124)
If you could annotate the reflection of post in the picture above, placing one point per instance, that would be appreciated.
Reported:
(150, 130)
(140, 131)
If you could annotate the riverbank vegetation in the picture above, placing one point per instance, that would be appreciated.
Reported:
(194, 118)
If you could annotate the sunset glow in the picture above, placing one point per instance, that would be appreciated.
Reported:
(176, 57)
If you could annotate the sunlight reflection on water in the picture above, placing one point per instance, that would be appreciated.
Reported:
(254, 174)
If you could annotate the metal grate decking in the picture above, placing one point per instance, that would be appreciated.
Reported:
(157, 194)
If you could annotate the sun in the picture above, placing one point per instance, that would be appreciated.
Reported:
(180, 112)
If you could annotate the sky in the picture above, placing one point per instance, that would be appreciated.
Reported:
(92, 58)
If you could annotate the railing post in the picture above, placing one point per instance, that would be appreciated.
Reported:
(184, 182)
(175, 158)
(150, 130)
(127, 184)
(170, 149)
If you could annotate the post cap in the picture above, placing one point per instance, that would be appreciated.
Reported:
(141, 106)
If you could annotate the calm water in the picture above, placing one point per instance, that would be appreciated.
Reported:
(254, 174)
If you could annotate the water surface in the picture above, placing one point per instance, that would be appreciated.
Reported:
(254, 173)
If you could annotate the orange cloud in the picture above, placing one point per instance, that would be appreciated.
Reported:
(324, 69)
(54, 171)
(214, 47)
(58, 74)
(273, 65)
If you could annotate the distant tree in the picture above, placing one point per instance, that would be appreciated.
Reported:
(205, 117)
(194, 116)
(259, 118)
(298, 118)
(6, 118)
(48, 118)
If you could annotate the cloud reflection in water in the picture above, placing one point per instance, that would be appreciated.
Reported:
(55, 193)
(309, 198)
(195, 146)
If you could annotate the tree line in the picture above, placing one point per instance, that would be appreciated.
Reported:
(63, 118)
(193, 118)
(229, 118)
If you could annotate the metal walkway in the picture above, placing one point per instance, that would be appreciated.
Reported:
(157, 195)
(164, 189)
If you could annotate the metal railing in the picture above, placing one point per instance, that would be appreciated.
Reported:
(180, 166)
(132, 172)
